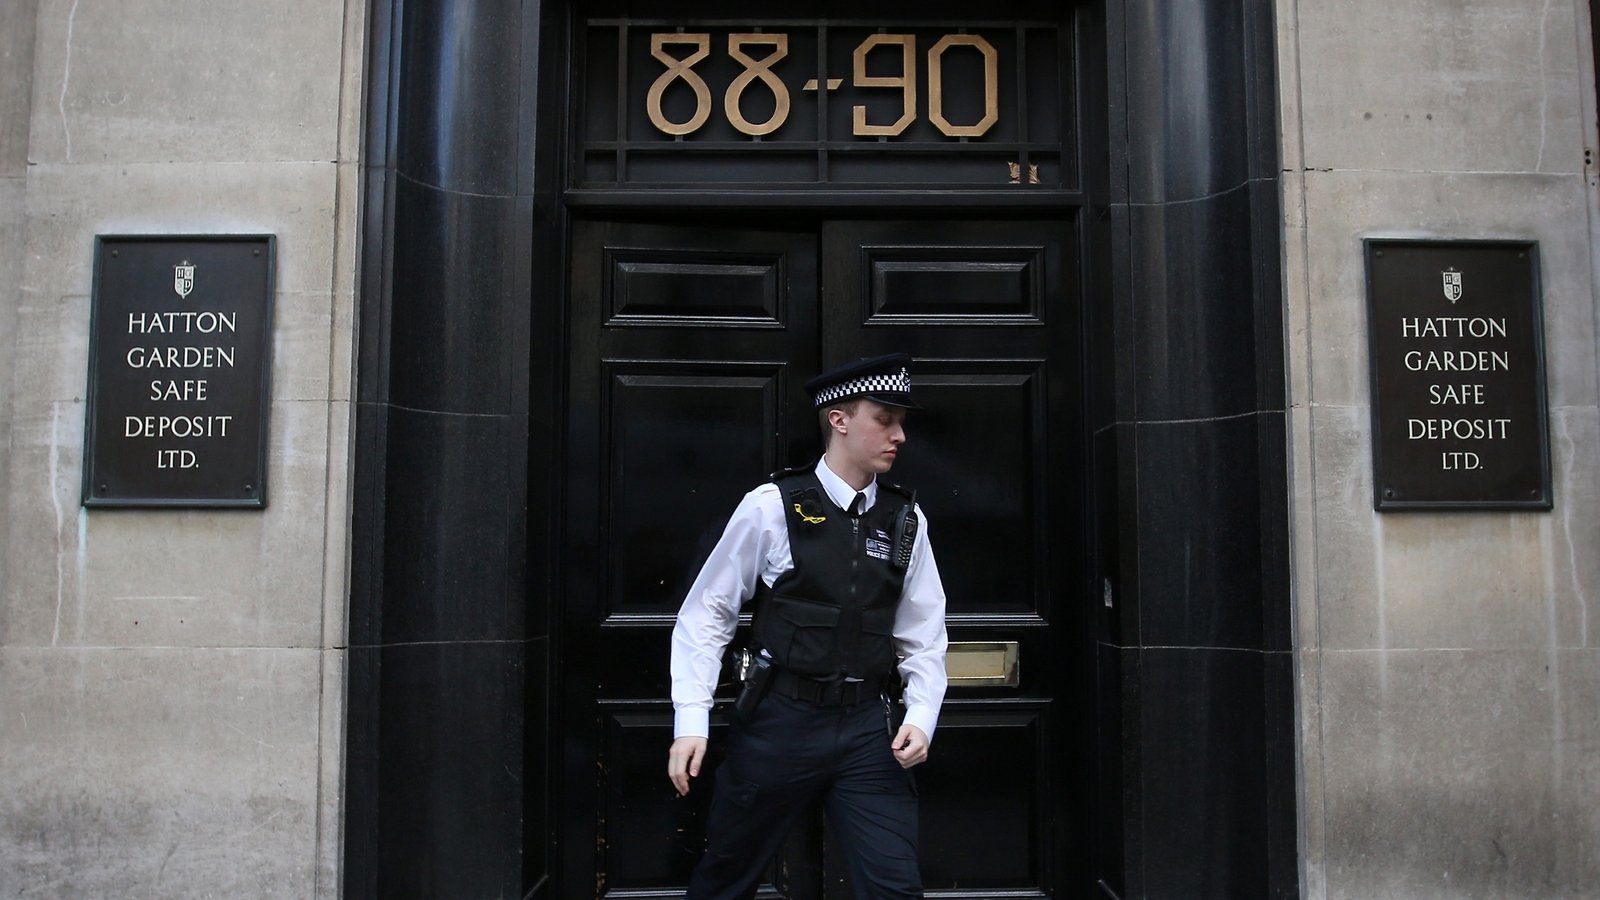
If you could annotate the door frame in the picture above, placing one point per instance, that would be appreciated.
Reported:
(1065, 650)
(447, 775)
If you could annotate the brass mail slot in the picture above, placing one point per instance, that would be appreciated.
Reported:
(981, 664)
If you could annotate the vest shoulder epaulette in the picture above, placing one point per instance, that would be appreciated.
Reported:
(792, 471)
(903, 491)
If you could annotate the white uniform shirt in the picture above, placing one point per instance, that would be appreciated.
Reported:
(754, 545)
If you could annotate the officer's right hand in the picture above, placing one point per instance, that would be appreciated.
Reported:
(683, 762)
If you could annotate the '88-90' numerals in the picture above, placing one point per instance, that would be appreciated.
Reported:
(681, 68)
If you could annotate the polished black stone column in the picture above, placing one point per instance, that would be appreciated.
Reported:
(1196, 730)
(448, 650)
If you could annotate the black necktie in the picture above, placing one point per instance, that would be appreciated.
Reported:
(856, 504)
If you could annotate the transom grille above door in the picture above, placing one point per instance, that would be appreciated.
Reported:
(824, 103)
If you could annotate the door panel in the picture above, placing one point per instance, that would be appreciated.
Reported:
(674, 427)
(990, 311)
(689, 346)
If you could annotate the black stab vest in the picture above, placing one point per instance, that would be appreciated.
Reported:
(832, 615)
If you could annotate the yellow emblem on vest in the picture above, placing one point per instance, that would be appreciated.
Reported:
(809, 520)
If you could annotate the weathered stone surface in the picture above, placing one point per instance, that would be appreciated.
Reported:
(11, 195)
(1577, 765)
(1441, 777)
(1349, 542)
(17, 19)
(42, 570)
(156, 773)
(336, 550)
(1297, 305)
(51, 349)
(1570, 534)
(1303, 522)
(1470, 580)
(1345, 207)
(163, 730)
(173, 81)
(1461, 86)
(302, 343)
(1308, 681)
(330, 775)
(178, 577)
(69, 205)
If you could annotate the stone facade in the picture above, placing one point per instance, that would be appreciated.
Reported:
(171, 710)
(1448, 662)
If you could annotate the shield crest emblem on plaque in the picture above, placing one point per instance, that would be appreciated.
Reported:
(183, 278)
(1452, 284)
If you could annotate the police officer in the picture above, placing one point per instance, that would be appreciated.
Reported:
(846, 593)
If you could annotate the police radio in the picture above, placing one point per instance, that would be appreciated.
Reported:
(905, 533)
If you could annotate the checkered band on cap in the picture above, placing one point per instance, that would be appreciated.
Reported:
(898, 383)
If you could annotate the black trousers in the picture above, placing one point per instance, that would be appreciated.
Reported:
(781, 757)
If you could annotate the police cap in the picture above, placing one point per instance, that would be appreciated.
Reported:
(886, 379)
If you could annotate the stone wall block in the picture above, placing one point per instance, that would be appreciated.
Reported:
(219, 578)
(11, 262)
(1347, 596)
(1570, 533)
(1334, 359)
(1297, 312)
(69, 205)
(1405, 86)
(1471, 579)
(1308, 682)
(1287, 46)
(41, 592)
(341, 368)
(1350, 206)
(1303, 522)
(336, 552)
(17, 18)
(154, 773)
(1577, 759)
(342, 352)
(353, 87)
(176, 81)
(168, 577)
(301, 343)
(1440, 776)
(330, 774)
(51, 350)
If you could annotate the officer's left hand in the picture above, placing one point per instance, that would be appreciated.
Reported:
(910, 746)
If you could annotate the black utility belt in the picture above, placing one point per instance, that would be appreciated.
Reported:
(824, 693)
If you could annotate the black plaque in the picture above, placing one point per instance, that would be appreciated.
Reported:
(179, 366)
(1456, 341)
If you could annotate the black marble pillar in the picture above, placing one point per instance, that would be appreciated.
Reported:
(444, 788)
(1196, 726)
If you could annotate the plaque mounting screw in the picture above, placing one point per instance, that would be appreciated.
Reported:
(1377, 253)
(255, 252)
(116, 253)
(1389, 493)
(249, 489)
(103, 487)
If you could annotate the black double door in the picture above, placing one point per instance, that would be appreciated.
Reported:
(689, 344)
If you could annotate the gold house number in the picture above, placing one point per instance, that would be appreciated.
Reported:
(680, 67)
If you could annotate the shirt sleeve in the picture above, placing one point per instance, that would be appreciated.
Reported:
(710, 610)
(919, 634)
